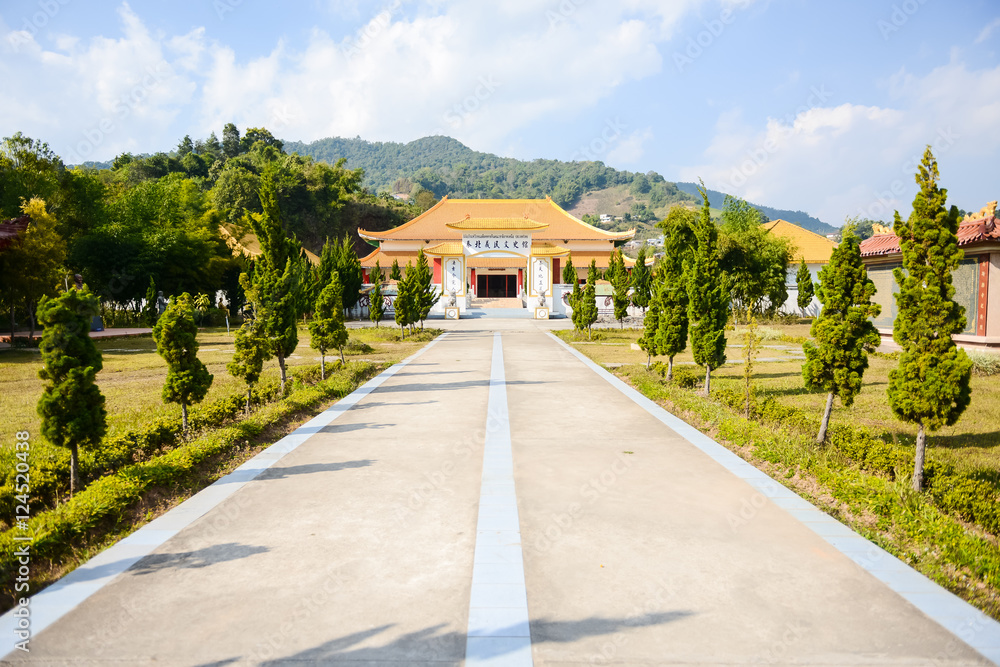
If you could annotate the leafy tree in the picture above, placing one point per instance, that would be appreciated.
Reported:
(843, 331)
(350, 272)
(33, 267)
(327, 330)
(28, 169)
(230, 140)
(424, 291)
(249, 357)
(651, 323)
(569, 272)
(376, 300)
(753, 261)
(188, 380)
(149, 308)
(185, 146)
(803, 280)
(71, 405)
(672, 331)
(621, 282)
(640, 281)
(930, 387)
(708, 304)
(395, 273)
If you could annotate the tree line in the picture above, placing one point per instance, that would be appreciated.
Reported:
(165, 219)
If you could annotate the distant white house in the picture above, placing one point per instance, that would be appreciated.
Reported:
(606, 218)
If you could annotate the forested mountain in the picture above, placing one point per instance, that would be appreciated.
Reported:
(445, 166)
(716, 199)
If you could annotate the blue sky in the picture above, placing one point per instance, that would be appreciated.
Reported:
(818, 106)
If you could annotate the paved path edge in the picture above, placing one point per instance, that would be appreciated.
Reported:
(966, 622)
(62, 596)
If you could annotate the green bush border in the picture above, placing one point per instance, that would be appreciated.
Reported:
(108, 498)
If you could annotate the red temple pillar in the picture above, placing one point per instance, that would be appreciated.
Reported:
(474, 283)
(520, 280)
(437, 270)
(556, 275)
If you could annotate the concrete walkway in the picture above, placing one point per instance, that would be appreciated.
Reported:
(595, 529)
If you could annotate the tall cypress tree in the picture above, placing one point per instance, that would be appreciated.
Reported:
(327, 330)
(708, 304)
(188, 380)
(588, 300)
(569, 273)
(395, 273)
(251, 351)
(930, 387)
(274, 285)
(71, 405)
(803, 279)
(640, 281)
(621, 281)
(405, 303)
(843, 331)
(423, 288)
(350, 273)
(376, 304)
(651, 321)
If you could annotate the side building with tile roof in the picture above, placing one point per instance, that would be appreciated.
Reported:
(814, 248)
(976, 280)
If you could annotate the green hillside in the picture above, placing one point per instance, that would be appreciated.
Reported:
(800, 218)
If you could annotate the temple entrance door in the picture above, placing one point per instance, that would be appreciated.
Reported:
(496, 287)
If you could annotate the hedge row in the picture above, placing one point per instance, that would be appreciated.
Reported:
(57, 531)
(972, 495)
(50, 465)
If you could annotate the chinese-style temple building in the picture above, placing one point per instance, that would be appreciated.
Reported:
(976, 280)
(495, 249)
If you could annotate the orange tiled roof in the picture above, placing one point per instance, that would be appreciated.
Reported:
(815, 248)
(498, 224)
(433, 223)
(970, 232)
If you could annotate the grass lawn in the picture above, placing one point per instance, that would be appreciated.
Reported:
(133, 374)
(972, 443)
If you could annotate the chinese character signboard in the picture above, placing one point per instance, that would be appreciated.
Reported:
(496, 245)
(454, 276)
(539, 276)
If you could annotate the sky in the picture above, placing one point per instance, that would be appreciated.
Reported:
(824, 107)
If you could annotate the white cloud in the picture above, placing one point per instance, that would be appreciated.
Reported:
(630, 149)
(853, 159)
(476, 71)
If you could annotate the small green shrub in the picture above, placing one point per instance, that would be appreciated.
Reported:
(984, 363)
(686, 378)
(355, 346)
